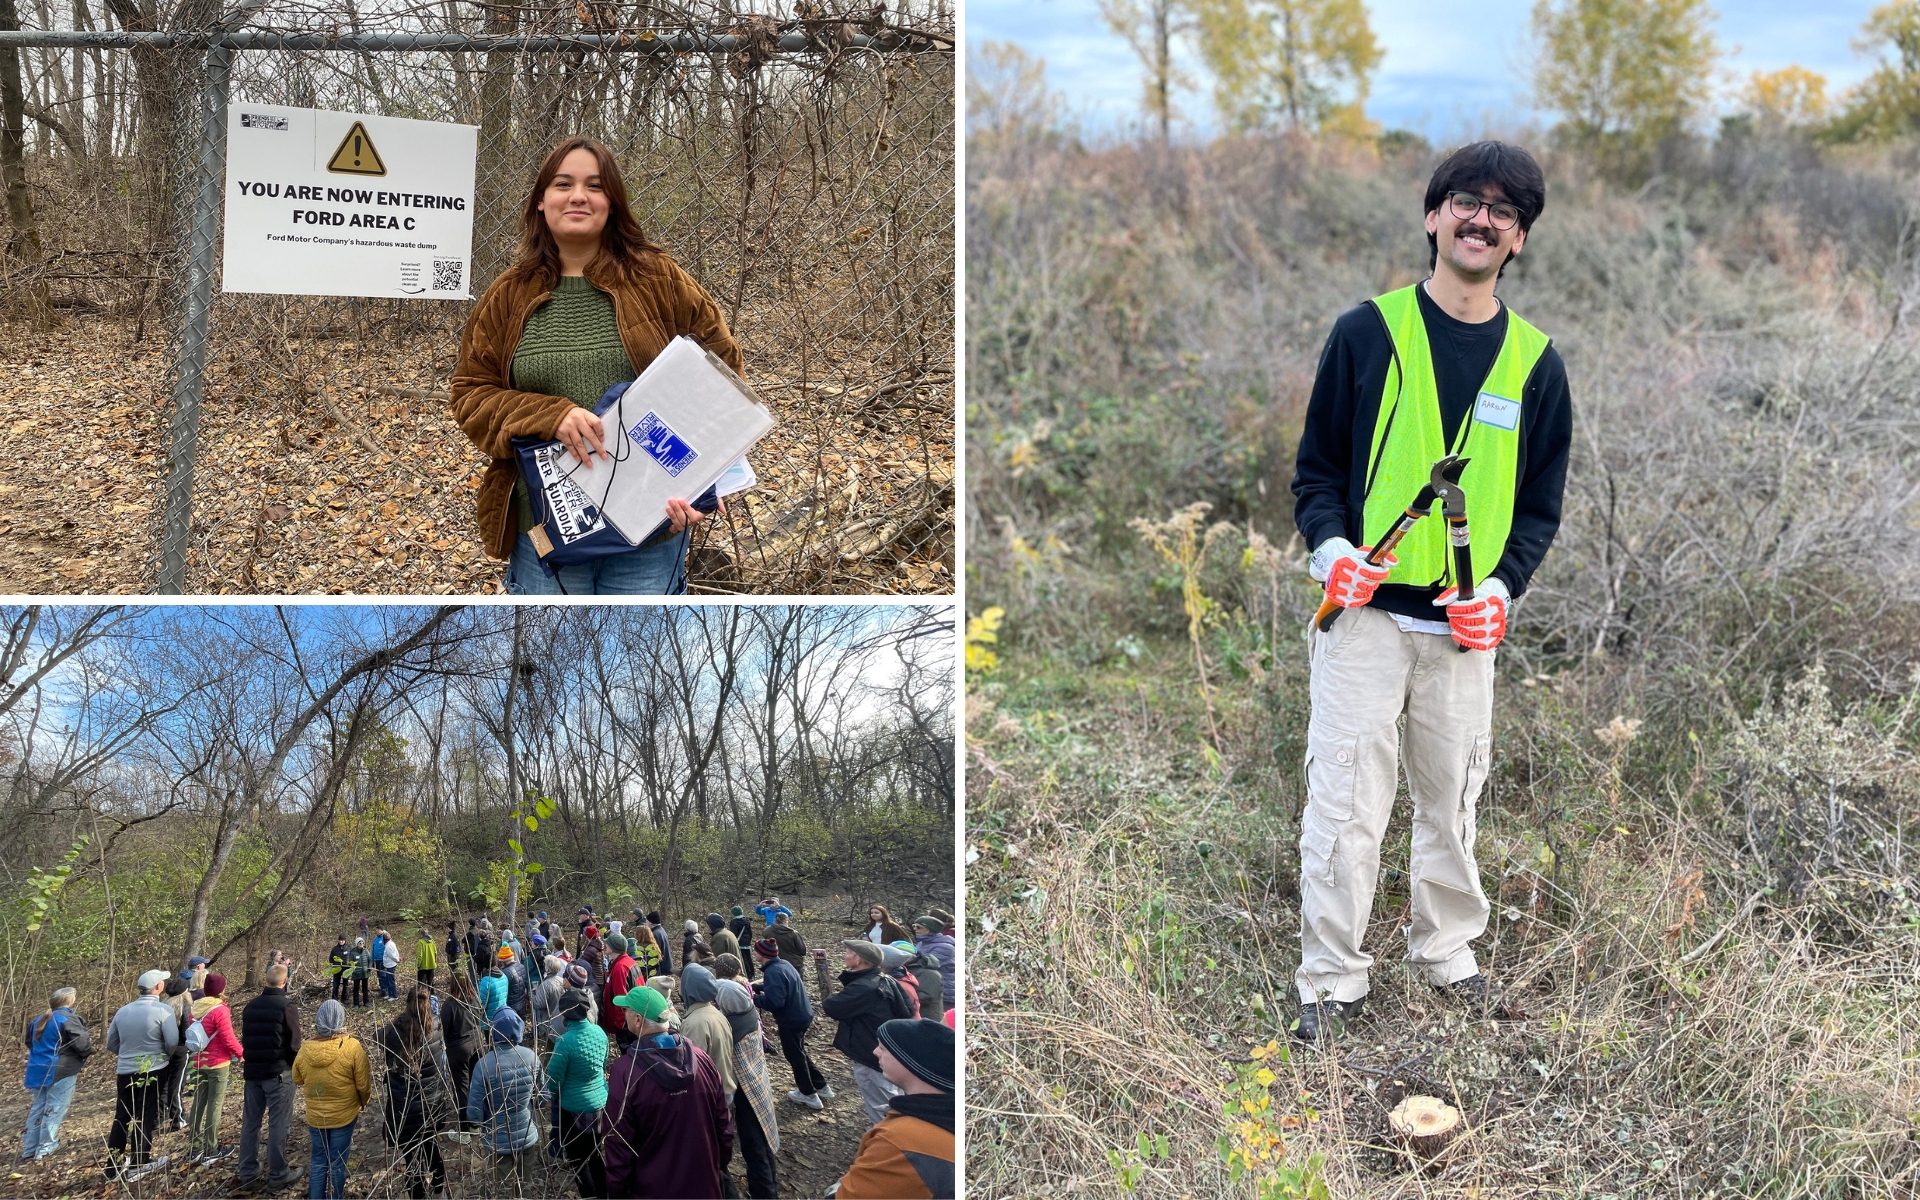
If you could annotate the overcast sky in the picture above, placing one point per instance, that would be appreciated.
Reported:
(1448, 69)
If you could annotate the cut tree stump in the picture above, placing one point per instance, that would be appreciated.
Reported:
(1425, 1126)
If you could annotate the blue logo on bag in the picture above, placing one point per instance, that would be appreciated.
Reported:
(651, 434)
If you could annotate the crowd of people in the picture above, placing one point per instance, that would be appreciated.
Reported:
(583, 1047)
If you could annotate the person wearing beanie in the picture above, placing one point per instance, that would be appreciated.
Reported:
(868, 996)
(515, 973)
(576, 1076)
(593, 953)
(58, 1045)
(362, 964)
(909, 1154)
(781, 992)
(755, 1125)
(667, 1131)
(936, 943)
(142, 1036)
(270, 1036)
(333, 1071)
(720, 938)
(743, 934)
(493, 984)
(944, 917)
(546, 1000)
(177, 994)
(658, 927)
(211, 1068)
(506, 1084)
(624, 973)
(883, 928)
(339, 961)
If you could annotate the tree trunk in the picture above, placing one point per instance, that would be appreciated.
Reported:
(518, 831)
(13, 164)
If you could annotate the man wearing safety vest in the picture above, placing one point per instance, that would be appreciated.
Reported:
(1442, 367)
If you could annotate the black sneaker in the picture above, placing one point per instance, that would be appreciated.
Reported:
(1323, 1021)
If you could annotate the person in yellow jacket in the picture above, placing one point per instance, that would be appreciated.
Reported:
(332, 1069)
(424, 960)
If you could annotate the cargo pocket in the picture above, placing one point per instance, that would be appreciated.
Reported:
(1317, 845)
(1333, 771)
(1479, 760)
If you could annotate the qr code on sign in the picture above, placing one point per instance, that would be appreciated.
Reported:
(446, 274)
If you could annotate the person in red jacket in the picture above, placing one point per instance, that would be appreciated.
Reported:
(667, 1128)
(210, 1072)
(623, 975)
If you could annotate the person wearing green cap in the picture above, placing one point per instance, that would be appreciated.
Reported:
(667, 1129)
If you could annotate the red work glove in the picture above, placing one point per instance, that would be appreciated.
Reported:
(1349, 577)
(1479, 623)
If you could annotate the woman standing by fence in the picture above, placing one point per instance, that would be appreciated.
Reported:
(589, 303)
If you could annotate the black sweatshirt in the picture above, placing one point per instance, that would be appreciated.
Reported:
(1329, 480)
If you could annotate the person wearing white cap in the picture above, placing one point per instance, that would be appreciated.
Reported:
(143, 1035)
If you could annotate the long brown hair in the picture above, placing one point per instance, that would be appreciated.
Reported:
(623, 244)
(461, 987)
(416, 1023)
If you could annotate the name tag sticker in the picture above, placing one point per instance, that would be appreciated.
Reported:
(668, 449)
(1497, 411)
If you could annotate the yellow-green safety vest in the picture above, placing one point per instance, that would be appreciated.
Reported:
(1409, 437)
(423, 958)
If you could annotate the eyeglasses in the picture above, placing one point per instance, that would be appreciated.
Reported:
(1465, 205)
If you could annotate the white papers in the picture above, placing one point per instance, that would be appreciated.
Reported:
(674, 433)
(738, 478)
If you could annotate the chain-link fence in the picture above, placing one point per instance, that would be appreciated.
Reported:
(800, 166)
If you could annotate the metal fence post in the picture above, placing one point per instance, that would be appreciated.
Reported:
(189, 380)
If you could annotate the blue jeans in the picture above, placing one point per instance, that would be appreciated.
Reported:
(327, 1168)
(387, 984)
(647, 571)
(43, 1118)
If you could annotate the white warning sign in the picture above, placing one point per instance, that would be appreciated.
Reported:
(343, 204)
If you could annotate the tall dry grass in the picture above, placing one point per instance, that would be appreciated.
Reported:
(1699, 835)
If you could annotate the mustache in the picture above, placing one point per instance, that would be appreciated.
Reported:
(1482, 228)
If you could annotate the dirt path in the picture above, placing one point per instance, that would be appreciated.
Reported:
(815, 1148)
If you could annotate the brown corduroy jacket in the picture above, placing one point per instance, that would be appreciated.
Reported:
(664, 303)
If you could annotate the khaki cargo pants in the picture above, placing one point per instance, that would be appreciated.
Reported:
(1367, 675)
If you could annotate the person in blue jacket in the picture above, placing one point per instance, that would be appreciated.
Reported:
(58, 1043)
(780, 991)
(771, 908)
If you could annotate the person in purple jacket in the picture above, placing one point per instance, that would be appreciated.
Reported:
(667, 1128)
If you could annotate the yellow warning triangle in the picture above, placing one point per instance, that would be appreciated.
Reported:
(356, 155)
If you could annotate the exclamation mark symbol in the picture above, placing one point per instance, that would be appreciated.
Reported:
(356, 149)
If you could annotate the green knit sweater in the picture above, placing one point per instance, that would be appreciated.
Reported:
(571, 348)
